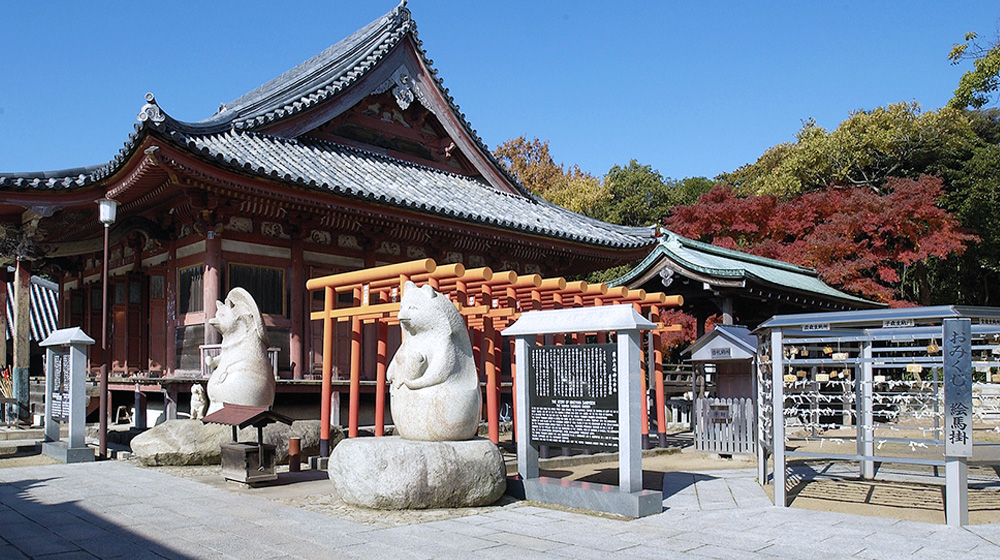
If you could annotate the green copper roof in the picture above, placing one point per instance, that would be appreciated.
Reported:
(712, 263)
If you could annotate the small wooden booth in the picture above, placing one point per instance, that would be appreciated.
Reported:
(726, 421)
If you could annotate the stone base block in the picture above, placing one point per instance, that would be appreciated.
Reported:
(587, 495)
(395, 473)
(61, 451)
(317, 463)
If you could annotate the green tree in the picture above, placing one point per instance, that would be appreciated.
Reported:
(977, 86)
(639, 196)
(898, 140)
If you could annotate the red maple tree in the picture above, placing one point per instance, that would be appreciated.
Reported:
(858, 240)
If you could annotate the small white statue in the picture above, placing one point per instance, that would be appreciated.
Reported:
(433, 381)
(199, 401)
(242, 373)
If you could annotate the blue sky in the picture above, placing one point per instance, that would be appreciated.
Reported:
(690, 88)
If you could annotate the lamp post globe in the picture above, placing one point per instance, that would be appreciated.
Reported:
(107, 211)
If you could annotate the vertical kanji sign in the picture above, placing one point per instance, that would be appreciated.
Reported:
(958, 387)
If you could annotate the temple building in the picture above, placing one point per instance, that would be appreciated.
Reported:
(738, 287)
(355, 158)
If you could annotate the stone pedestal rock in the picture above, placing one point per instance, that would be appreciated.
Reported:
(395, 473)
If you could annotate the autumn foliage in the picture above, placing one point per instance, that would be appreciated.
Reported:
(864, 242)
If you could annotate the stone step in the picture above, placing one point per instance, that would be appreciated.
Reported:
(18, 447)
(11, 434)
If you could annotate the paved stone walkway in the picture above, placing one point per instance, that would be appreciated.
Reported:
(115, 510)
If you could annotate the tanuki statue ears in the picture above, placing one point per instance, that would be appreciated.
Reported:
(248, 312)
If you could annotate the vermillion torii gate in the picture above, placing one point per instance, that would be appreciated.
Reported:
(489, 301)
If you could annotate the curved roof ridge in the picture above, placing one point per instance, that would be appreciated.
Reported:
(740, 255)
(302, 86)
(323, 69)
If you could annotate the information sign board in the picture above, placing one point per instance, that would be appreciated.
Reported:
(958, 387)
(60, 386)
(573, 393)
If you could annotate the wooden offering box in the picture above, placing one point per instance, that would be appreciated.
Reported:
(248, 462)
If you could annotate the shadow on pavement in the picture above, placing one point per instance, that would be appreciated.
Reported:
(31, 527)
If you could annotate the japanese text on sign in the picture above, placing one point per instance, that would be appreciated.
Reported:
(60, 387)
(573, 395)
(958, 387)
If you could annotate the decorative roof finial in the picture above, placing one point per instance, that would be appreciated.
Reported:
(151, 111)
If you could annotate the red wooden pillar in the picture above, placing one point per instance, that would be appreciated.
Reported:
(644, 415)
(661, 404)
(557, 303)
(324, 434)
(212, 284)
(170, 292)
(511, 298)
(382, 352)
(299, 299)
(602, 337)
(355, 395)
(498, 365)
(490, 365)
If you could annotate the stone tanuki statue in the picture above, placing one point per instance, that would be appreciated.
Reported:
(199, 402)
(436, 461)
(242, 373)
(433, 381)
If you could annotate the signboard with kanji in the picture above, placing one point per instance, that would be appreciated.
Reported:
(59, 411)
(958, 387)
(574, 395)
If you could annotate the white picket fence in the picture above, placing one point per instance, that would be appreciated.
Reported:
(725, 425)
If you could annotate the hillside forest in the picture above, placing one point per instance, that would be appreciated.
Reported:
(897, 204)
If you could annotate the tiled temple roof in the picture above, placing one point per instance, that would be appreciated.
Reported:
(377, 178)
(716, 263)
(232, 137)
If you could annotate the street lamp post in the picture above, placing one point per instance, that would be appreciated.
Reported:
(107, 211)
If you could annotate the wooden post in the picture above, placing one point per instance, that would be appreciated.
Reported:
(3, 316)
(644, 398)
(355, 395)
(212, 284)
(661, 402)
(298, 299)
(490, 365)
(329, 298)
(171, 295)
(382, 352)
(22, 338)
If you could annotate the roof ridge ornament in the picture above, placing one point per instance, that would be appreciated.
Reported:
(151, 111)
(402, 86)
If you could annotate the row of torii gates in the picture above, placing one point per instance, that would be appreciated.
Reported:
(489, 301)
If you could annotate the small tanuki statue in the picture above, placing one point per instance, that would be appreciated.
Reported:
(199, 402)
(242, 373)
(433, 381)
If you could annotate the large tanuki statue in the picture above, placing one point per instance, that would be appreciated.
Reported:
(436, 461)
(242, 373)
(433, 381)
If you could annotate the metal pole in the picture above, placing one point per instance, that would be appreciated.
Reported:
(103, 411)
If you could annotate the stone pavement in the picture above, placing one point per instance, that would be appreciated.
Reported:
(116, 510)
